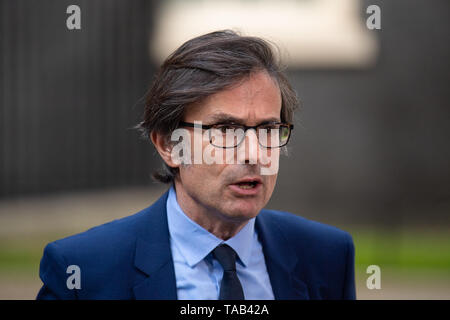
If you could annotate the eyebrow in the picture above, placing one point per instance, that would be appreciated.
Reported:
(226, 118)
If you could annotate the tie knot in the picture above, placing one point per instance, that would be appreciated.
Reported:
(226, 257)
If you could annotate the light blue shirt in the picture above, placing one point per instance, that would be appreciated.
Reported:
(198, 274)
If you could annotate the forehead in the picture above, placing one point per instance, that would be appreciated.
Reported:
(254, 99)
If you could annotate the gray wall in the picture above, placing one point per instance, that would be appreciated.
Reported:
(68, 98)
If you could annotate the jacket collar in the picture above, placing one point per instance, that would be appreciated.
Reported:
(280, 260)
(153, 255)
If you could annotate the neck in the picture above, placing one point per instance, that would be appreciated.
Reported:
(215, 222)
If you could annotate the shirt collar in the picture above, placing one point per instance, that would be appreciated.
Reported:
(195, 243)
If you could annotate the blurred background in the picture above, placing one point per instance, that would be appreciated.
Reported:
(369, 154)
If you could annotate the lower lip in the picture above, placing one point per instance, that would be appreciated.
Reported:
(246, 192)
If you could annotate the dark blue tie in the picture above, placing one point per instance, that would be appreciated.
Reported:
(230, 287)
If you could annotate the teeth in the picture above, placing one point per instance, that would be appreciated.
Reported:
(246, 185)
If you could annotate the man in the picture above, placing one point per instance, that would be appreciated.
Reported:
(209, 237)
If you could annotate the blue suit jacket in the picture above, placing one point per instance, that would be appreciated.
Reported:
(130, 258)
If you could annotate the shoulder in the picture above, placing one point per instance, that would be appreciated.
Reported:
(118, 234)
(307, 237)
(324, 254)
(107, 246)
(114, 235)
(300, 228)
(99, 253)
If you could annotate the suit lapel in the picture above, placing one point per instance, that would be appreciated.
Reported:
(153, 256)
(280, 260)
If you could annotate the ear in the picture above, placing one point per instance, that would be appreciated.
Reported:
(164, 148)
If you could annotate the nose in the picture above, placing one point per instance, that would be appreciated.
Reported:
(248, 150)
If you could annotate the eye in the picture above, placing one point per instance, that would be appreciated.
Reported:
(284, 132)
(269, 126)
(224, 127)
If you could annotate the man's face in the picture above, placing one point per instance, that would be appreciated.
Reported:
(216, 188)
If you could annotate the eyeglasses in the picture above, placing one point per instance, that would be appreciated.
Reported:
(270, 135)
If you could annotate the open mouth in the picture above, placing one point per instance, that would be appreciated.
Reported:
(247, 185)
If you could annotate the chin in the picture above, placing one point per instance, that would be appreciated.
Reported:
(243, 211)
